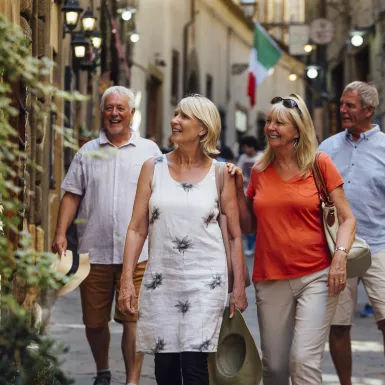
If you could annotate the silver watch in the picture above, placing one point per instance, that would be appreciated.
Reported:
(341, 249)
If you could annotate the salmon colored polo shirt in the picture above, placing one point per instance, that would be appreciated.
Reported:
(290, 240)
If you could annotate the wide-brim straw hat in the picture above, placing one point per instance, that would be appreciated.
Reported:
(75, 266)
(237, 360)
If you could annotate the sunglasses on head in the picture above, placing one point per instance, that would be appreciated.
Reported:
(288, 103)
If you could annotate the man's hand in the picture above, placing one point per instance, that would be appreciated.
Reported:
(238, 299)
(59, 244)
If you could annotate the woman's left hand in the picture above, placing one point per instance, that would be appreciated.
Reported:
(238, 299)
(337, 273)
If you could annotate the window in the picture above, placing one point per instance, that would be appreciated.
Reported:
(209, 87)
(175, 77)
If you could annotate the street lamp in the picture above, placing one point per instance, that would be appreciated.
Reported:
(96, 39)
(79, 43)
(308, 48)
(357, 35)
(126, 13)
(134, 36)
(312, 72)
(293, 77)
(88, 21)
(357, 40)
(71, 10)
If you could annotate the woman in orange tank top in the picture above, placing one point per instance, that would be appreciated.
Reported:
(297, 281)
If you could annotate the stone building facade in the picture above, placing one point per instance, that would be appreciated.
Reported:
(201, 46)
(195, 46)
(346, 63)
(34, 17)
(36, 136)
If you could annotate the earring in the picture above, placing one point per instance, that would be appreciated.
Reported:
(296, 141)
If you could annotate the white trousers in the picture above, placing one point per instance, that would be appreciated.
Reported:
(294, 318)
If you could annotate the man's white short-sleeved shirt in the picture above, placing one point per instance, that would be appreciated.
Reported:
(106, 177)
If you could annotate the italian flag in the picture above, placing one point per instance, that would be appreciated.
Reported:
(264, 55)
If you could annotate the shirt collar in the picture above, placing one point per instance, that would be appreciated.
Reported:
(365, 135)
(104, 140)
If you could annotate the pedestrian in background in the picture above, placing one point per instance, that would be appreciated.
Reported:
(358, 152)
(224, 154)
(152, 137)
(170, 146)
(101, 182)
(184, 289)
(296, 283)
(251, 152)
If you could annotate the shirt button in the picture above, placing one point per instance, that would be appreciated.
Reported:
(352, 164)
(348, 181)
(355, 146)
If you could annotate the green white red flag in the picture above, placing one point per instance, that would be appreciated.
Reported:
(264, 55)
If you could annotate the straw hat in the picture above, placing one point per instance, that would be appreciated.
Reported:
(75, 266)
(237, 360)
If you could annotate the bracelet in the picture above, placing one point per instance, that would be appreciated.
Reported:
(341, 249)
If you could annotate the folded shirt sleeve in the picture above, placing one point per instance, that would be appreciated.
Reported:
(74, 182)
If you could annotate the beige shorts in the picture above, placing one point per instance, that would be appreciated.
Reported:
(374, 284)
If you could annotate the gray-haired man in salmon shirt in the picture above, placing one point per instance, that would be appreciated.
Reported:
(358, 152)
(101, 183)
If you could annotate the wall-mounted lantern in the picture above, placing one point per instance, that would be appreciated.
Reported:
(96, 39)
(87, 42)
(359, 34)
(79, 44)
(134, 36)
(356, 38)
(88, 21)
(312, 72)
(126, 13)
(71, 10)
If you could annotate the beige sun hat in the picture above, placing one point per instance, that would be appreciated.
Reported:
(237, 360)
(75, 266)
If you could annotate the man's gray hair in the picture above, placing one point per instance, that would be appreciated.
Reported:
(122, 91)
(368, 93)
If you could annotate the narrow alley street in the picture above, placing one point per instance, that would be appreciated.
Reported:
(66, 326)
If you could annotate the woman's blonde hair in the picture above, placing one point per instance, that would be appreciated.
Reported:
(307, 141)
(204, 110)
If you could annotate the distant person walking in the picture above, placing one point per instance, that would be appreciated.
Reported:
(251, 153)
(296, 282)
(359, 154)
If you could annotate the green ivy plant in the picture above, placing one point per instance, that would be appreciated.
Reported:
(25, 357)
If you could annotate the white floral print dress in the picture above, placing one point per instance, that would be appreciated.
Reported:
(184, 289)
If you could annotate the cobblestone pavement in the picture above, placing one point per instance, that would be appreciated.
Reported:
(66, 326)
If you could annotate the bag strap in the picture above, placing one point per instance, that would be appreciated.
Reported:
(219, 180)
(320, 183)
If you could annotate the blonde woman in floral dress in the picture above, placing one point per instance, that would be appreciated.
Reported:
(184, 289)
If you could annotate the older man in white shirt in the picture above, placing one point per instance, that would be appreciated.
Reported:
(101, 183)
